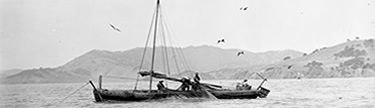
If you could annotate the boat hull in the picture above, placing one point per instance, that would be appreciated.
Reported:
(236, 94)
(140, 95)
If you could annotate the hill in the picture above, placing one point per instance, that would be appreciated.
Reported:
(6, 73)
(127, 63)
(349, 59)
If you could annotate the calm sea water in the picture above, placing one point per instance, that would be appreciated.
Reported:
(338, 92)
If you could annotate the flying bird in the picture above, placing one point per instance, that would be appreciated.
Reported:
(115, 28)
(243, 8)
(220, 40)
(290, 66)
(239, 53)
(268, 69)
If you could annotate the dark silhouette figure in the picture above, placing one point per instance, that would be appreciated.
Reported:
(161, 85)
(290, 66)
(197, 78)
(220, 40)
(115, 28)
(243, 8)
(239, 53)
(185, 86)
(287, 58)
(196, 84)
(246, 85)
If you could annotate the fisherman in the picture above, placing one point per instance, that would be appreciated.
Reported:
(239, 86)
(197, 78)
(246, 85)
(196, 84)
(161, 86)
(185, 86)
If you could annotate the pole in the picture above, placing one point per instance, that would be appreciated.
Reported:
(154, 44)
(100, 81)
(264, 79)
(92, 84)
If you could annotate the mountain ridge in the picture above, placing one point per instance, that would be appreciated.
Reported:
(348, 59)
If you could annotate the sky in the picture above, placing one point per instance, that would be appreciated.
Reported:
(50, 33)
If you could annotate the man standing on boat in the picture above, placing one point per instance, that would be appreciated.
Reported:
(197, 78)
(195, 85)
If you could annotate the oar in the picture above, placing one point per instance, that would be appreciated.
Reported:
(264, 79)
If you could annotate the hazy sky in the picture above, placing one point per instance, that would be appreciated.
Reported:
(49, 33)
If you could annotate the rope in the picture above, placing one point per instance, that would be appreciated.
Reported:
(136, 83)
(145, 49)
(72, 93)
(165, 50)
(179, 50)
(107, 72)
(165, 43)
(173, 48)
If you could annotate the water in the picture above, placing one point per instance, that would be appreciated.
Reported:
(338, 92)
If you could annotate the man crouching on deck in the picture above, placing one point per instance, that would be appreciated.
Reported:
(161, 86)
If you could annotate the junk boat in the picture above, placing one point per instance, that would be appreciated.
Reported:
(210, 91)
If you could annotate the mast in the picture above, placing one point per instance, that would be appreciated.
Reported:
(154, 43)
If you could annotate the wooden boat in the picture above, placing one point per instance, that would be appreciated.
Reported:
(139, 95)
(103, 95)
(210, 91)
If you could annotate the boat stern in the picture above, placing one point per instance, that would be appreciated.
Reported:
(263, 92)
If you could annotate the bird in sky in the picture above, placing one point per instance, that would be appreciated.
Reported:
(114, 28)
(243, 8)
(268, 69)
(220, 40)
(239, 53)
(290, 66)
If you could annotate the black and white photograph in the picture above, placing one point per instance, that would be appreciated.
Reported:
(187, 53)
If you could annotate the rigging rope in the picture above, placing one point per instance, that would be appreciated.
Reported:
(183, 58)
(165, 50)
(145, 49)
(179, 50)
(107, 72)
(163, 53)
(175, 57)
(72, 93)
(170, 42)
(165, 43)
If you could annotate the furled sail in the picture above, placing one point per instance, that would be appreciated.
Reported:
(163, 76)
